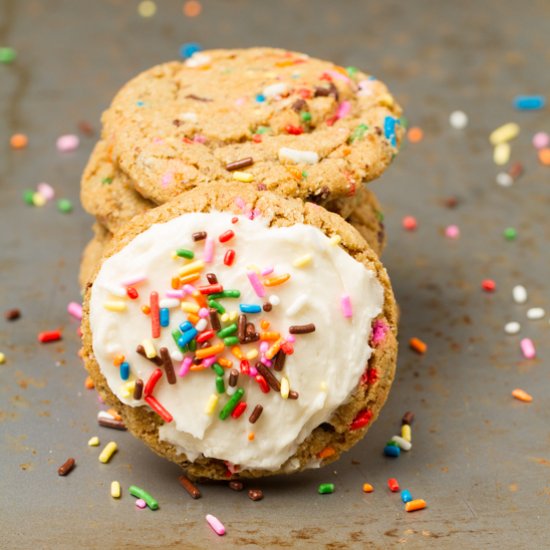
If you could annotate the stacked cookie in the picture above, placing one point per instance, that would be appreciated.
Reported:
(254, 161)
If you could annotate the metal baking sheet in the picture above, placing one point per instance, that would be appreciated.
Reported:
(480, 458)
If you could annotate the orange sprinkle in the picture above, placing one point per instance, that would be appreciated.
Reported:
(251, 436)
(189, 278)
(415, 134)
(285, 63)
(294, 172)
(367, 488)
(192, 318)
(326, 452)
(544, 156)
(114, 414)
(272, 351)
(199, 298)
(146, 309)
(192, 8)
(270, 336)
(522, 395)
(176, 283)
(89, 383)
(237, 352)
(418, 345)
(209, 351)
(195, 368)
(278, 280)
(225, 363)
(413, 505)
(346, 151)
(19, 141)
(264, 324)
(118, 360)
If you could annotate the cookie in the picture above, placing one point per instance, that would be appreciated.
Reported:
(270, 346)
(272, 118)
(91, 255)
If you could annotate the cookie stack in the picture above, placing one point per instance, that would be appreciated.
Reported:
(236, 312)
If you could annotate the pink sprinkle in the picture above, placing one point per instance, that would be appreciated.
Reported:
(541, 140)
(267, 271)
(338, 76)
(209, 361)
(346, 306)
(253, 370)
(343, 109)
(166, 179)
(379, 330)
(264, 346)
(216, 524)
(528, 348)
(185, 366)
(189, 289)
(452, 231)
(204, 312)
(175, 294)
(239, 201)
(290, 338)
(256, 284)
(198, 138)
(140, 503)
(208, 254)
(409, 223)
(133, 281)
(46, 190)
(68, 142)
(75, 310)
(266, 362)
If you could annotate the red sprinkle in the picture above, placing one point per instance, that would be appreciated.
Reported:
(361, 420)
(152, 382)
(239, 409)
(229, 257)
(155, 314)
(305, 93)
(234, 219)
(132, 293)
(409, 223)
(331, 120)
(49, 336)
(393, 484)
(257, 138)
(488, 285)
(226, 236)
(159, 409)
(293, 130)
(264, 386)
(244, 367)
(210, 289)
(288, 348)
(205, 336)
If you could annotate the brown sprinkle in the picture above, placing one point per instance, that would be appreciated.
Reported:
(302, 329)
(168, 365)
(156, 359)
(199, 236)
(267, 307)
(255, 494)
(408, 418)
(293, 394)
(138, 388)
(270, 378)
(12, 314)
(197, 98)
(241, 328)
(233, 377)
(66, 467)
(279, 360)
(298, 105)
(215, 319)
(111, 423)
(190, 487)
(236, 485)
(86, 128)
(211, 278)
(516, 170)
(256, 413)
(238, 164)
(325, 91)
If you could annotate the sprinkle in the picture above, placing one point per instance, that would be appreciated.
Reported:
(528, 348)
(19, 141)
(231, 404)
(541, 140)
(512, 327)
(147, 8)
(168, 365)
(535, 313)
(209, 351)
(389, 129)
(392, 450)
(409, 223)
(140, 493)
(238, 164)
(211, 289)
(326, 452)
(413, 505)
(108, 451)
(504, 179)
(38, 199)
(67, 143)
(239, 410)
(522, 395)
(406, 432)
(185, 366)
(7, 55)
(164, 316)
(301, 329)
(115, 305)
(187, 50)
(208, 254)
(255, 494)
(189, 486)
(278, 280)
(418, 345)
(199, 236)
(65, 206)
(504, 133)
(46, 191)
(544, 156)
(297, 305)
(279, 361)
(184, 253)
(189, 307)
(106, 420)
(256, 413)
(402, 443)
(93, 441)
(49, 336)
(115, 489)
(367, 488)
(277, 89)
(452, 232)
(250, 308)
(406, 496)
(501, 154)
(216, 524)
(138, 389)
(408, 418)
(458, 120)
(529, 102)
(141, 504)
(345, 304)
(124, 370)
(274, 300)
(12, 314)
(326, 488)
(159, 409)
(285, 387)
(488, 285)
(510, 234)
(297, 156)
(152, 382)
(245, 177)
(66, 467)
(519, 294)
(415, 134)
(303, 261)
(393, 485)
(229, 257)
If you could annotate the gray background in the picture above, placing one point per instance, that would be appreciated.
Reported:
(480, 458)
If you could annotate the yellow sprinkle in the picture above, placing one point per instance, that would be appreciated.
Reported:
(174, 255)
(192, 267)
(406, 432)
(108, 451)
(211, 404)
(252, 354)
(147, 8)
(504, 133)
(245, 177)
(386, 100)
(302, 261)
(189, 307)
(38, 199)
(115, 305)
(2, 358)
(149, 348)
(501, 154)
(233, 315)
(224, 317)
(127, 389)
(93, 441)
(335, 240)
(254, 268)
(285, 387)
(115, 489)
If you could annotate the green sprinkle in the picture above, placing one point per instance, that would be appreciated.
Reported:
(140, 493)
(304, 175)
(220, 384)
(107, 181)
(225, 294)
(193, 345)
(392, 443)
(227, 331)
(352, 71)
(64, 205)
(324, 488)
(263, 129)
(358, 132)
(7, 55)
(184, 253)
(231, 341)
(510, 234)
(305, 116)
(218, 369)
(403, 122)
(28, 197)
(176, 336)
(380, 215)
(217, 306)
(231, 404)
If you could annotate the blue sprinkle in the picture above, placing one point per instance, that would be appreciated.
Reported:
(164, 315)
(189, 48)
(185, 326)
(406, 496)
(392, 450)
(186, 337)
(260, 98)
(140, 103)
(250, 308)
(529, 102)
(124, 370)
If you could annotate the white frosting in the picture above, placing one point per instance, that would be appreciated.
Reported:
(326, 364)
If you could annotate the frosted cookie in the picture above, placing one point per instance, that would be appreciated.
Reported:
(241, 333)
(272, 118)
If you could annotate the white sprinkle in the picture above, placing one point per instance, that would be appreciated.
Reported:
(512, 327)
(176, 355)
(104, 415)
(402, 443)
(504, 179)
(272, 90)
(297, 305)
(198, 59)
(297, 156)
(169, 303)
(519, 293)
(118, 291)
(535, 313)
(274, 300)
(188, 117)
(201, 325)
(458, 120)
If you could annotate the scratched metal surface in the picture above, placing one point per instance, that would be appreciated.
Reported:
(480, 459)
